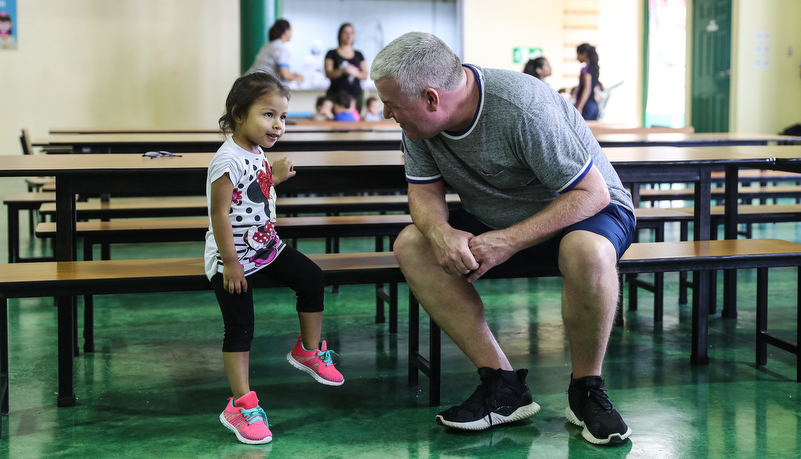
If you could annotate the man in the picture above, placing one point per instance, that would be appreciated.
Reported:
(536, 189)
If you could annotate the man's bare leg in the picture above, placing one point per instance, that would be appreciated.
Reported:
(451, 301)
(589, 298)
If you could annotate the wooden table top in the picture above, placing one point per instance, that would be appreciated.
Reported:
(22, 165)
(709, 155)
(298, 125)
(206, 137)
(705, 137)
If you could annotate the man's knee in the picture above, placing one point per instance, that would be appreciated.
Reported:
(584, 252)
(409, 243)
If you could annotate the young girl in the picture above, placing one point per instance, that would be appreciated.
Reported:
(242, 242)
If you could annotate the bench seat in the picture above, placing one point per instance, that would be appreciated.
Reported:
(172, 230)
(659, 257)
(745, 193)
(66, 279)
(16, 202)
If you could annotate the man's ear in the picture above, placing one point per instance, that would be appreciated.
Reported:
(431, 96)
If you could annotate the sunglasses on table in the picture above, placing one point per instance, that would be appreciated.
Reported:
(157, 154)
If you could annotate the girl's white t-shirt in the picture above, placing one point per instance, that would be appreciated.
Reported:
(252, 213)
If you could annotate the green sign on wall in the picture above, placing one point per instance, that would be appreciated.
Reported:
(521, 55)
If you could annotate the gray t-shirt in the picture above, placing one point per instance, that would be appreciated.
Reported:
(525, 145)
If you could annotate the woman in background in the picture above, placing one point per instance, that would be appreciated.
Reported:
(274, 57)
(346, 67)
(538, 68)
(588, 81)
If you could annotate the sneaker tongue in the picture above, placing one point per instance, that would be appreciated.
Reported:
(324, 346)
(247, 401)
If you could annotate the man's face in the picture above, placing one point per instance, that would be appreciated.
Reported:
(412, 114)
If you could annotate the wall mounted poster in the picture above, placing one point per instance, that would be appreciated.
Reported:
(8, 23)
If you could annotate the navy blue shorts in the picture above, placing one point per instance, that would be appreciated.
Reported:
(615, 223)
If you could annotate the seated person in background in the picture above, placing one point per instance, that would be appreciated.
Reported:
(373, 110)
(343, 107)
(324, 109)
(538, 68)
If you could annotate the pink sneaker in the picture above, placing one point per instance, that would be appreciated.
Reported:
(247, 420)
(316, 363)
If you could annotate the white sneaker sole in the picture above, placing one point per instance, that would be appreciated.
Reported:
(313, 373)
(239, 436)
(493, 419)
(612, 438)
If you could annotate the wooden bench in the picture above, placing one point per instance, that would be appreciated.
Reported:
(16, 202)
(180, 230)
(196, 206)
(189, 206)
(655, 219)
(703, 256)
(163, 275)
(68, 279)
(746, 193)
(761, 176)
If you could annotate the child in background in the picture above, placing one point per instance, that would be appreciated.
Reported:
(324, 108)
(242, 242)
(343, 107)
(373, 110)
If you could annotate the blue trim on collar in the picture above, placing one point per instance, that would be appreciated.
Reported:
(478, 108)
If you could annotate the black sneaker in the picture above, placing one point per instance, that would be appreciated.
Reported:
(502, 397)
(589, 407)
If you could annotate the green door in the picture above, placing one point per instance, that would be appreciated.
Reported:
(711, 65)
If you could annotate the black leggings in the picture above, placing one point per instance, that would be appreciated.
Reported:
(291, 267)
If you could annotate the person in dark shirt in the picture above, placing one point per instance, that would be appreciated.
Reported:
(346, 67)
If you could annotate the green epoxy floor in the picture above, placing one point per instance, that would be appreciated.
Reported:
(155, 385)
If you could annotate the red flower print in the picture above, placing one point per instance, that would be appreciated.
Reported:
(236, 198)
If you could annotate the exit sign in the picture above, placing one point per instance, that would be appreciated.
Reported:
(520, 55)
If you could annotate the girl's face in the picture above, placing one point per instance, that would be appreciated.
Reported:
(263, 124)
(582, 57)
(347, 36)
(5, 27)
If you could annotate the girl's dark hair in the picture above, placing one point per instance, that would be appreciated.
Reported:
(245, 91)
(591, 55)
(341, 28)
(532, 65)
(278, 29)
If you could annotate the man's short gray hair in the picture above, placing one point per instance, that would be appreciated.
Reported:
(416, 61)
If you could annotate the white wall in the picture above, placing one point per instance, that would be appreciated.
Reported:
(492, 33)
(111, 63)
(164, 63)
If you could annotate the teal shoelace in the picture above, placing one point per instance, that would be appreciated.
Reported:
(326, 357)
(254, 415)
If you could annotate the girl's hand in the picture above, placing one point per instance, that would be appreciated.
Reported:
(234, 281)
(282, 170)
